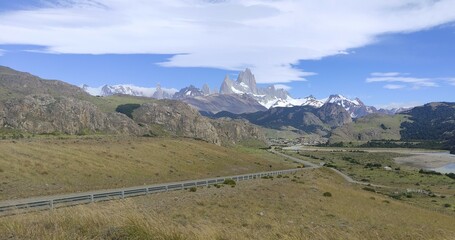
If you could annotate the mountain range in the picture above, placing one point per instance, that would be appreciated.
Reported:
(31, 105)
(240, 96)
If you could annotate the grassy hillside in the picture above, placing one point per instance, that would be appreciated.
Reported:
(110, 103)
(282, 208)
(44, 166)
(370, 127)
(368, 167)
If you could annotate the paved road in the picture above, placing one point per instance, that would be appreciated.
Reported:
(312, 165)
(50, 202)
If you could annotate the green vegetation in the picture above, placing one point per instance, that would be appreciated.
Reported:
(127, 109)
(381, 169)
(370, 127)
(111, 103)
(259, 209)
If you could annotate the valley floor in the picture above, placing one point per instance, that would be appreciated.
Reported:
(313, 204)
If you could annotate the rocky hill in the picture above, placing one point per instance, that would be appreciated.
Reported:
(370, 127)
(305, 118)
(45, 114)
(33, 105)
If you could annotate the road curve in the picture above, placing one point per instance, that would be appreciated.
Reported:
(312, 165)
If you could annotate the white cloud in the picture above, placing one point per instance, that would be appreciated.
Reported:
(2, 52)
(269, 36)
(394, 86)
(385, 74)
(396, 105)
(404, 81)
(283, 86)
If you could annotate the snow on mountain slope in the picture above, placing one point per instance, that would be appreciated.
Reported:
(128, 89)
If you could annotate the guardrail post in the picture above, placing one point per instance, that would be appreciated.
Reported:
(167, 189)
(123, 194)
(51, 203)
(146, 190)
(92, 199)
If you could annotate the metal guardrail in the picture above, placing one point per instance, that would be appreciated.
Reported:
(84, 198)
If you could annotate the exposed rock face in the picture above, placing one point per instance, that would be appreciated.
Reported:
(235, 131)
(227, 86)
(206, 90)
(247, 82)
(177, 118)
(333, 114)
(188, 92)
(46, 114)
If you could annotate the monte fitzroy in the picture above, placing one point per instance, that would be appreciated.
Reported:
(242, 95)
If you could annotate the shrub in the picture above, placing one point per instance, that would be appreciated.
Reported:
(279, 176)
(229, 182)
(327, 194)
(193, 189)
(447, 205)
(369, 189)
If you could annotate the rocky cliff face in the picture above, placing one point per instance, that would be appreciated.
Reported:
(235, 131)
(178, 119)
(42, 114)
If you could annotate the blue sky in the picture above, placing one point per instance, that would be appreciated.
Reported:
(396, 53)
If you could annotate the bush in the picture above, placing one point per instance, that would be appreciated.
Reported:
(424, 171)
(229, 182)
(193, 189)
(369, 189)
(447, 205)
(327, 194)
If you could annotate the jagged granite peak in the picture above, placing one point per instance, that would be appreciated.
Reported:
(161, 94)
(227, 87)
(206, 89)
(247, 82)
(188, 92)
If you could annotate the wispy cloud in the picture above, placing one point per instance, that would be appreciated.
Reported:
(386, 74)
(395, 105)
(2, 52)
(283, 86)
(268, 36)
(402, 82)
(394, 86)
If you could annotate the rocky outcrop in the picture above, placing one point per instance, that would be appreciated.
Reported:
(16, 84)
(44, 114)
(235, 131)
(177, 118)
(206, 90)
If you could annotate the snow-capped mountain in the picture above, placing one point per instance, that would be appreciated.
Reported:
(189, 92)
(245, 87)
(355, 107)
(128, 89)
(271, 96)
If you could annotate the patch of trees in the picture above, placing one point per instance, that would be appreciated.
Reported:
(431, 122)
(127, 109)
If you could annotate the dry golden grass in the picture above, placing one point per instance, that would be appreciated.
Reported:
(281, 208)
(48, 166)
